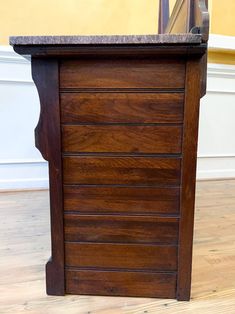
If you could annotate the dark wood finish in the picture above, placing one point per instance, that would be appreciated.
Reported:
(135, 107)
(47, 137)
(122, 72)
(163, 16)
(119, 139)
(124, 229)
(201, 19)
(121, 283)
(118, 125)
(191, 114)
(121, 200)
(121, 256)
(203, 75)
(121, 170)
(191, 47)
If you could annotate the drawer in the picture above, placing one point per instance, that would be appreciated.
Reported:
(122, 72)
(119, 139)
(121, 170)
(123, 229)
(120, 199)
(122, 107)
(120, 283)
(121, 256)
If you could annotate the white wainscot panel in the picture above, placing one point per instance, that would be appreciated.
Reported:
(216, 151)
(21, 164)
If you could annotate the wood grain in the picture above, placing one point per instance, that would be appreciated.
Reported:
(119, 283)
(121, 256)
(189, 161)
(202, 20)
(122, 72)
(48, 140)
(122, 229)
(180, 46)
(119, 139)
(122, 107)
(120, 199)
(121, 170)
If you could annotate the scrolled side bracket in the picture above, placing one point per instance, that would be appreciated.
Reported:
(45, 73)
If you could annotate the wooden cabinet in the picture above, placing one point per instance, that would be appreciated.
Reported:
(119, 125)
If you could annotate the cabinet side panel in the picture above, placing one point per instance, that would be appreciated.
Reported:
(189, 158)
(48, 140)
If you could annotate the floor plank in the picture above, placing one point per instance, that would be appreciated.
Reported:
(25, 247)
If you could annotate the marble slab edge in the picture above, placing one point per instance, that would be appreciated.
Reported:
(105, 40)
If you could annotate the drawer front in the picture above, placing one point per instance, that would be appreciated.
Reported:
(122, 107)
(123, 200)
(119, 139)
(120, 283)
(122, 73)
(120, 229)
(121, 256)
(121, 170)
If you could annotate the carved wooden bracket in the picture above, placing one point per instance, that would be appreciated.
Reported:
(48, 140)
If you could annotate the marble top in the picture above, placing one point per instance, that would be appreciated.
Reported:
(114, 39)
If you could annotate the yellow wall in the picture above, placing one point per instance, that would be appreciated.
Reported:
(222, 22)
(221, 56)
(222, 17)
(66, 17)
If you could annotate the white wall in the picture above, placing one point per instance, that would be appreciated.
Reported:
(21, 165)
(216, 151)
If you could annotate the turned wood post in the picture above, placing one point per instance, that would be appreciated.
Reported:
(163, 16)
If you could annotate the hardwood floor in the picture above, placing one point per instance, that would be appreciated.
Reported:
(25, 247)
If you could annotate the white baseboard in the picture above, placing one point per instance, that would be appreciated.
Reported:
(220, 167)
(24, 184)
(23, 175)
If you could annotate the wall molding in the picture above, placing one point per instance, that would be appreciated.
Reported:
(7, 55)
(215, 174)
(216, 167)
(21, 161)
(221, 42)
(221, 70)
(24, 184)
(221, 78)
(217, 156)
(14, 68)
(23, 175)
(2, 81)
